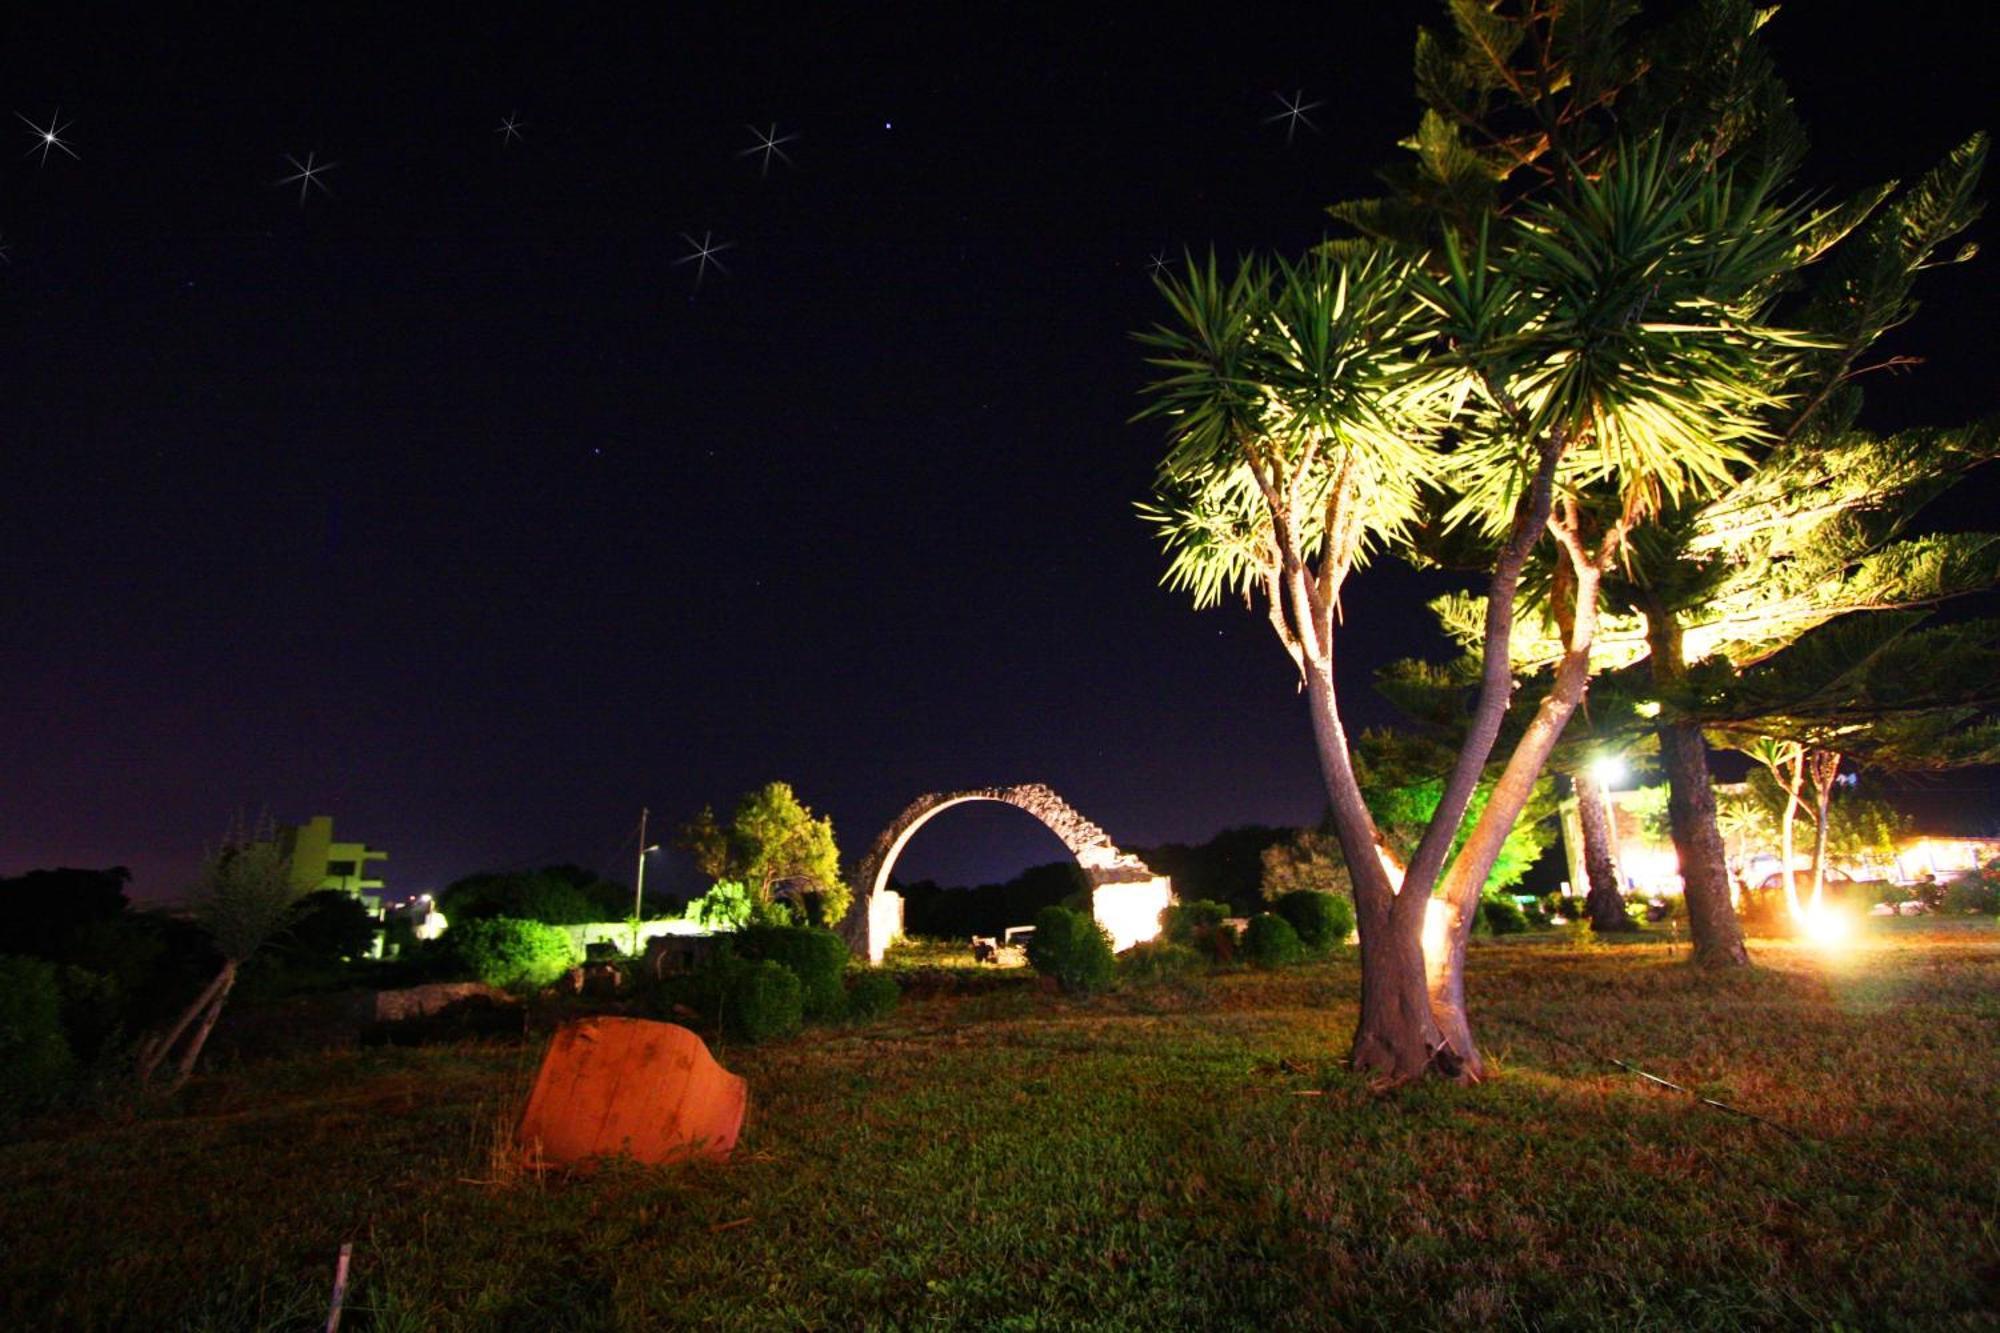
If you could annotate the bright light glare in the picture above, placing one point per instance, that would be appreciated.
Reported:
(1131, 912)
(1825, 926)
(1436, 937)
(1607, 770)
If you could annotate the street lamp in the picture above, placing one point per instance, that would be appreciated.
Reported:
(639, 881)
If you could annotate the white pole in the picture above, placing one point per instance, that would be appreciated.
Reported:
(639, 882)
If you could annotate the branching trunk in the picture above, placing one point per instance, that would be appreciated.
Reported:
(156, 1049)
(1712, 925)
(1466, 879)
(227, 978)
(1603, 902)
(1397, 1039)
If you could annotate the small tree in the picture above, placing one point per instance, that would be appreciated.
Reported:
(772, 845)
(1307, 862)
(243, 897)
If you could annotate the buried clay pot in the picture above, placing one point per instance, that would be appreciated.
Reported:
(630, 1087)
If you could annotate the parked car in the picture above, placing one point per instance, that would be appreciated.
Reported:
(1802, 881)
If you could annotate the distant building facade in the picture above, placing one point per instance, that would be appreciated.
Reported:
(319, 862)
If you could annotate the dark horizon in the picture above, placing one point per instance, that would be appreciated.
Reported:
(447, 504)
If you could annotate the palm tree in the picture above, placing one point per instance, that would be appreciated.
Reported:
(1611, 338)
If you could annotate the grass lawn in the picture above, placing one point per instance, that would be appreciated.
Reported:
(1189, 1155)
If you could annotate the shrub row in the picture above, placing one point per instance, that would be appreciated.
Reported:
(765, 982)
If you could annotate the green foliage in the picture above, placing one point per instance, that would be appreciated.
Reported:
(1071, 947)
(1201, 926)
(1858, 823)
(1395, 772)
(726, 906)
(53, 914)
(1323, 921)
(772, 845)
(1110, 1122)
(244, 894)
(958, 913)
(329, 926)
(511, 954)
(1184, 922)
(35, 1057)
(817, 957)
(760, 1001)
(1309, 861)
(1501, 915)
(1977, 893)
(553, 895)
(1152, 961)
(871, 994)
(1270, 941)
(1228, 868)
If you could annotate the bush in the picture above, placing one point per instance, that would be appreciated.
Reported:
(816, 957)
(1323, 920)
(35, 1059)
(1974, 893)
(1072, 948)
(1183, 923)
(726, 906)
(760, 1000)
(1202, 925)
(1270, 941)
(511, 954)
(1157, 960)
(329, 925)
(1565, 905)
(1501, 915)
(872, 994)
(1763, 912)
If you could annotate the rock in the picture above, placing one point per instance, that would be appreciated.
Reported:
(630, 1087)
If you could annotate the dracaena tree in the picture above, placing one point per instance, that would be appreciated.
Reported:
(1609, 337)
(1816, 529)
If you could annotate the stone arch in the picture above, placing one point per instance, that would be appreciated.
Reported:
(1123, 888)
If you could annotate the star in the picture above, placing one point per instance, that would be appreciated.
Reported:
(1294, 112)
(1157, 264)
(48, 138)
(767, 144)
(510, 128)
(703, 254)
(308, 175)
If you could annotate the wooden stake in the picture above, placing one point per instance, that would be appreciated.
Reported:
(339, 1287)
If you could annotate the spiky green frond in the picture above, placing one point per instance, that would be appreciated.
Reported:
(1631, 317)
(1308, 375)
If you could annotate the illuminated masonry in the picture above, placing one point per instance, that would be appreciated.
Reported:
(1126, 896)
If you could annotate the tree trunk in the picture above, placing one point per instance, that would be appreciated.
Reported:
(1787, 834)
(1604, 903)
(227, 978)
(1397, 1038)
(1716, 933)
(1825, 771)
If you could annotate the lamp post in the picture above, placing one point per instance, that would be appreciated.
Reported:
(639, 885)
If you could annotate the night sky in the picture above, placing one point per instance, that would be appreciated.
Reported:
(447, 503)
